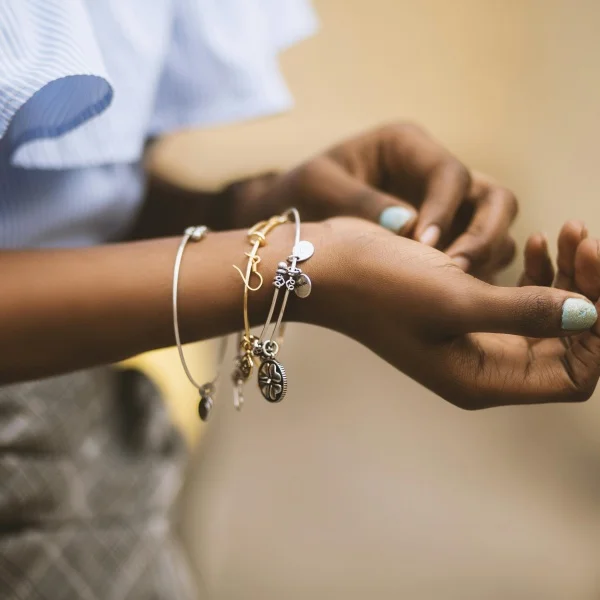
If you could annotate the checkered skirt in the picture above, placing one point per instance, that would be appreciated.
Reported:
(90, 469)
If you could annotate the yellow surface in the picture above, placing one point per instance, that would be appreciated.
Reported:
(164, 368)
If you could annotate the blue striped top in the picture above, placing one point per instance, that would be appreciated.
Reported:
(85, 83)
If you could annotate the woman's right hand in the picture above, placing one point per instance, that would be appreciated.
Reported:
(469, 342)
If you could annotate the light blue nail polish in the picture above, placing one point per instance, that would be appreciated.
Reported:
(578, 314)
(395, 218)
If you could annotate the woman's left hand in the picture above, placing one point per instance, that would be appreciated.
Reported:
(402, 178)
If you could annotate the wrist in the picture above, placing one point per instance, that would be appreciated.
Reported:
(248, 200)
(327, 270)
(323, 268)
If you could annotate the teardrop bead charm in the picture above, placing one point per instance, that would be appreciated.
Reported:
(205, 407)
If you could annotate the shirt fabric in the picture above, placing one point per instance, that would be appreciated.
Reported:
(83, 84)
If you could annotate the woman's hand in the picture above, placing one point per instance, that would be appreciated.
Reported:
(470, 342)
(400, 177)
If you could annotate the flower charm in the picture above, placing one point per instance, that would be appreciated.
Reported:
(272, 380)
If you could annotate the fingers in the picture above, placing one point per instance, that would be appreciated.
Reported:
(538, 267)
(526, 311)
(582, 359)
(446, 189)
(479, 245)
(587, 269)
(347, 195)
(571, 234)
(416, 166)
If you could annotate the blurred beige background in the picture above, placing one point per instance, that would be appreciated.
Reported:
(361, 484)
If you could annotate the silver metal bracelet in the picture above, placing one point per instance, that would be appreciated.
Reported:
(272, 378)
(207, 390)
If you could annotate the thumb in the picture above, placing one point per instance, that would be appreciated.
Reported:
(347, 195)
(528, 311)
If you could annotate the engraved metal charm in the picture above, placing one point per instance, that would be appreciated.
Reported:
(272, 380)
(243, 368)
(303, 250)
(303, 286)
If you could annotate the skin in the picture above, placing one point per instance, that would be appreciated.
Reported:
(448, 330)
(63, 310)
(463, 212)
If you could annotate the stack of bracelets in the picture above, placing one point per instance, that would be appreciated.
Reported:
(253, 351)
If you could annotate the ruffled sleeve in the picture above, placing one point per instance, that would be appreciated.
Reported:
(223, 63)
(52, 74)
(171, 64)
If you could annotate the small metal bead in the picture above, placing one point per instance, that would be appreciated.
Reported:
(196, 233)
(282, 265)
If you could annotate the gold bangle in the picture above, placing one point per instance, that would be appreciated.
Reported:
(244, 361)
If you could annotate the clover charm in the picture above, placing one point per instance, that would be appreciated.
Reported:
(272, 380)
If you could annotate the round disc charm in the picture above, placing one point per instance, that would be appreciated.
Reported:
(272, 380)
(303, 250)
(303, 286)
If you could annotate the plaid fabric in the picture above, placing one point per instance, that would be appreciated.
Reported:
(90, 468)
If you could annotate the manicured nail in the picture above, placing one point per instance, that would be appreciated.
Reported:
(578, 314)
(395, 218)
(463, 262)
(431, 235)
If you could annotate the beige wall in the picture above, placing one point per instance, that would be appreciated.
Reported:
(361, 484)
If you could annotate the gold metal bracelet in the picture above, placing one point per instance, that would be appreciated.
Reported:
(244, 361)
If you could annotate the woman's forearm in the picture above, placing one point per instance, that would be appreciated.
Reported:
(61, 310)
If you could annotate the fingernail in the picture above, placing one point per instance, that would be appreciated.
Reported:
(463, 262)
(578, 314)
(431, 235)
(395, 218)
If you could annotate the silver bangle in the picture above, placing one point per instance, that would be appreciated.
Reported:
(272, 378)
(207, 390)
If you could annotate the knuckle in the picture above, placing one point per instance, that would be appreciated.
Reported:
(302, 185)
(303, 179)
(510, 202)
(457, 171)
(309, 171)
(478, 248)
(404, 129)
